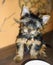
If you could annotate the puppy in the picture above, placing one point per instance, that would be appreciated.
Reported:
(30, 30)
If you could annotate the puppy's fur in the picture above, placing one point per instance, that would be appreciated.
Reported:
(30, 35)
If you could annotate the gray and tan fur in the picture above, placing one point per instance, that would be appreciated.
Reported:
(30, 37)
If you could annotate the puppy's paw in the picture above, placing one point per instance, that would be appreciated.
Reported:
(44, 47)
(18, 58)
(43, 53)
(34, 57)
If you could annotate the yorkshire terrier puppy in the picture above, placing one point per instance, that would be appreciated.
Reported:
(30, 38)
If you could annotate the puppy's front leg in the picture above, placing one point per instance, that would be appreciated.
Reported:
(33, 52)
(20, 53)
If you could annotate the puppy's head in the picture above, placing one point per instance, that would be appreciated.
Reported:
(27, 16)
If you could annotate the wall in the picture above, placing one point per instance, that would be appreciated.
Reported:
(8, 27)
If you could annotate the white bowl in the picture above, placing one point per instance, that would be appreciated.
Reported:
(36, 62)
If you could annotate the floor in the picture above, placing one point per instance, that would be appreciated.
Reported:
(49, 38)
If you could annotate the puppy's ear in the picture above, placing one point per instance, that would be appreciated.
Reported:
(25, 10)
(45, 19)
